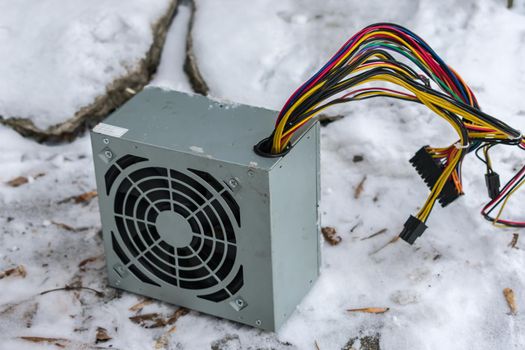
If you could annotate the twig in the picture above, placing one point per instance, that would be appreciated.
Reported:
(370, 310)
(360, 187)
(191, 68)
(393, 240)
(69, 288)
(514, 242)
(375, 234)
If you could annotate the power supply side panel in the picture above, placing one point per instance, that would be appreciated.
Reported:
(227, 210)
(295, 224)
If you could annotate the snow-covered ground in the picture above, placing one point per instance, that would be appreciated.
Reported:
(58, 56)
(444, 292)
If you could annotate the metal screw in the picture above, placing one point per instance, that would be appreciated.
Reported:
(233, 183)
(251, 173)
(239, 302)
(108, 154)
(258, 322)
(120, 269)
(106, 141)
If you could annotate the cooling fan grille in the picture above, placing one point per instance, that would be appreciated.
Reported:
(175, 226)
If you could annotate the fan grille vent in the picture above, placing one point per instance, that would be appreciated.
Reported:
(201, 201)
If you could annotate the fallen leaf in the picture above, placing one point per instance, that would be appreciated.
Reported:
(59, 342)
(84, 262)
(511, 300)
(163, 340)
(371, 310)
(140, 305)
(375, 234)
(155, 320)
(64, 226)
(85, 197)
(17, 181)
(359, 189)
(102, 335)
(21, 180)
(514, 242)
(15, 271)
(69, 227)
(330, 235)
(151, 320)
(177, 314)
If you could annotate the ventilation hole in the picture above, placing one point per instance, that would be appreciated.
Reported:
(227, 265)
(201, 284)
(184, 201)
(163, 255)
(152, 215)
(194, 225)
(205, 224)
(158, 195)
(110, 177)
(217, 296)
(194, 274)
(191, 183)
(145, 234)
(169, 269)
(135, 235)
(124, 187)
(125, 237)
(191, 261)
(184, 251)
(217, 255)
(234, 207)
(118, 250)
(143, 173)
(209, 179)
(195, 243)
(142, 276)
(225, 221)
(129, 206)
(153, 232)
(163, 206)
(167, 247)
(178, 209)
(128, 160)
(236, 283)
(151, 184)
(177, 186)
(205, 251)
(142, 206)
(158, 273)
(216, 224)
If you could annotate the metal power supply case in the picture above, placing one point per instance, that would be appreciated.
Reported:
(191, 215)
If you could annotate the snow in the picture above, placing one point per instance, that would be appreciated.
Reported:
(59, 56)
(444, 292)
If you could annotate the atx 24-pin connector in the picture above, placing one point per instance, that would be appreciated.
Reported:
(430, 170)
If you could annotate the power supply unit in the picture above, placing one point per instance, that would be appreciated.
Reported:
(193, 216)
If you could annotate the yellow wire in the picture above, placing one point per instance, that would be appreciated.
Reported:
(495, 222)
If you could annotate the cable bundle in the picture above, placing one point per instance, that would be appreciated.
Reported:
(378, 54)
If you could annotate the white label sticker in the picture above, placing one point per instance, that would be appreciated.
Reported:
(110, 130)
